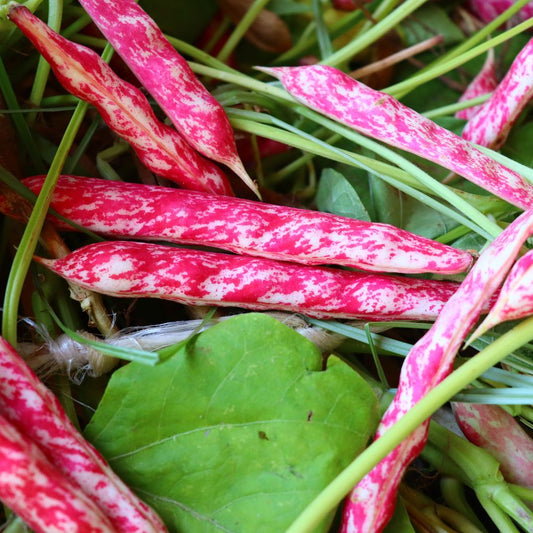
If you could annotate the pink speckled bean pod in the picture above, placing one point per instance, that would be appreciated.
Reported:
(34, 489)
(371, 503)
(484, 82)
(515, 299)
(123, 107)
(26, 402)
(488, 10)
(495, 430)
(168, 78)
(338, 96)
(134, 269)
(492, 123)
(148, 212)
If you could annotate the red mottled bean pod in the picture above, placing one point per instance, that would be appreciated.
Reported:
(338, 96)
(34, 489)
(133, 269)
(488, 10)
(492, 123)
(169, 79)
(124, 108)
(515, 299)
(495, 430)
(246, 227)
(25, 401)
(485, 82)
(371, 503)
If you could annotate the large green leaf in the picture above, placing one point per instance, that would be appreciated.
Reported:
(236, 432)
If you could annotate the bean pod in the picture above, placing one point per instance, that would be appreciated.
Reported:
(123, 107)
(496, 431)
(25, 401)
(338, 96)
(33, 488)
(516, 297)
(371, 503)
(168, 78)
(492, 123)
(134, 269)
(121, 209)
(488, 10)
(484, 82)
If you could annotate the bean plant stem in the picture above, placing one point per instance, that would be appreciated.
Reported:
(373, 34)
(55, 15)
(28, 243)
(401, 89)
(242, 27)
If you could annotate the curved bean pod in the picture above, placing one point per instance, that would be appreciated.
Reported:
(27, 402)
(515, 300)
(371, 503)
(495, 430)
(123, 107)
(168, 78)
(134, 269)
(122, 209)
(33, 488)
(378, 115)
(483, 83)
(492, 123)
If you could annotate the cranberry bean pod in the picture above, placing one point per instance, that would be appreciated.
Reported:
(371, 504)
(495, 430)
(378, 115)
(485, 82)
(123, 107)
(25, 401)
(122, 209)
(33, 488)
(168, 78)
(492, 123)
(134, 269)
(516, 297)
(488, 10)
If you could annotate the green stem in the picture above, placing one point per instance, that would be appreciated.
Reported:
(20, 124)
(374, 33)
(324, 41)
(55, 12)
(28, 243)
(402, 88)
(333, 494)
(242, 27)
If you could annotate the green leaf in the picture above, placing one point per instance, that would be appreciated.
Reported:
(238, 431)
(518, 145)
(428, 21)
(336, 195)
(399, 523)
